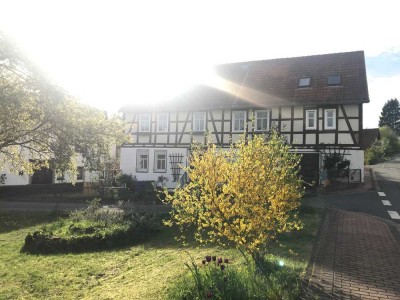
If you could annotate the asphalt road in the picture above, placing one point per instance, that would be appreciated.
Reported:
(370, 202)
(388, 176)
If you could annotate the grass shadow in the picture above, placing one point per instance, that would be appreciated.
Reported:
(10, 221)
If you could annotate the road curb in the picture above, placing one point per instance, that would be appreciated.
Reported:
(374, 180)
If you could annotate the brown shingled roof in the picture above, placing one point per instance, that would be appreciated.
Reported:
(369, 137)
(275, 83)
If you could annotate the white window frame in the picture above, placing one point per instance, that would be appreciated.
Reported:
(144, 121)
(234, 118)
(139, 166)
(308, 118)
(156, 154)
(326, 111)
(257, 118)
(199, 118)
(164, 127)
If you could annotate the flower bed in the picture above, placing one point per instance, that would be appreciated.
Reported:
(91, 230)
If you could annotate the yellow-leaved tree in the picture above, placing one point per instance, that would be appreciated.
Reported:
(242, 196)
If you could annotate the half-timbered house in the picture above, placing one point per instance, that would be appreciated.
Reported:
(316, 102)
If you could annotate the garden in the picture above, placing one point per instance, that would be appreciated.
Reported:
(231, 233)
(151, 269)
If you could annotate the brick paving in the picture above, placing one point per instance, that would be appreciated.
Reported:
(358, 257)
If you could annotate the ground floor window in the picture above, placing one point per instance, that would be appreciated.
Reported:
(79, 175)
(142, 160)
(160, 161)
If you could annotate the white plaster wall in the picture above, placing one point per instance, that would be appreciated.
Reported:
(351, 110)
(275, 112)
(327, 138)
(298, 111)
(286, 126)
(354, 124)
(311, 139)
(217, 114)
(343, 125)
(128, 164)
(286, 112)
(345, 138)
(297, 138)
(15, 179)
(298, 125)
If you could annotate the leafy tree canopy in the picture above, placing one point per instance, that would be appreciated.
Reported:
(243, 196)
(390, 115)
(40, 124)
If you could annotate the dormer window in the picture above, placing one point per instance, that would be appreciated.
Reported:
(334, 80)
(304, 82)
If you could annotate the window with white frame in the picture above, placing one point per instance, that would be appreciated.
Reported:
(162, 122)
(262, 120)
(144, 123)
(330, 118)
(238, 120)
(160, 161)
(311, 119)
(199, 121)
(142, 160)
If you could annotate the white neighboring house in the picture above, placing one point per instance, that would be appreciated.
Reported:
(316, 102)
(49, 176)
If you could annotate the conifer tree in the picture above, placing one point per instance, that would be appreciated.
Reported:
(390, 115)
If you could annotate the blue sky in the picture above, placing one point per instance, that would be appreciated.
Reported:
(386, 64)
(111, 53)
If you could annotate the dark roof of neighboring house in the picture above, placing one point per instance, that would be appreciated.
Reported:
(370, 136)
(275, 82)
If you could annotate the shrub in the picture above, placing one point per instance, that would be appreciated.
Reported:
(374, 154)
(389, 141)
(218, 278)
(243, 196)
(388, 145)
(92, 229)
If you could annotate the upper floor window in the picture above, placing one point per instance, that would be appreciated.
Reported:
(330, 118)
(304, 82)
(238, 120)
(199, 121)
(144, 123)
(311, 119)
(334, 80)
(162, 122)
(142, 160)
(262, 120)
(160, 161)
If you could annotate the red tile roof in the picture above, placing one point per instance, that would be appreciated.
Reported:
(274, 82)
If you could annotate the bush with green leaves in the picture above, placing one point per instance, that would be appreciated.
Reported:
(388, 145)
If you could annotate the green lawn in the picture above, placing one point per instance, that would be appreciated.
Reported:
(138, 272)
